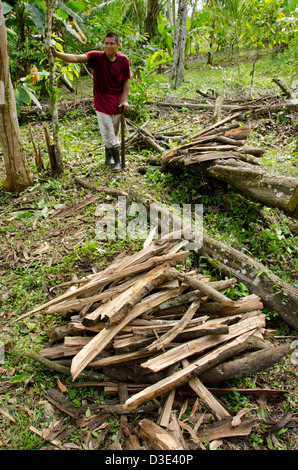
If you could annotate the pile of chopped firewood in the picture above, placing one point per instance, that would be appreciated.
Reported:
(220, 151)
(150, 323)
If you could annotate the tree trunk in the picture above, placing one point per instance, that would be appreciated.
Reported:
(246, 365)
(179, 45)
(275, 293)
(57, 165)
(150, 21)
(18, 176)
(257, 184)
(209, 54)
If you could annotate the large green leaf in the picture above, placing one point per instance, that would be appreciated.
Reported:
(77, 6)
(38, 17)
(70, 12)
(6, 8)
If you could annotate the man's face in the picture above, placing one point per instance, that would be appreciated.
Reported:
(110, 47)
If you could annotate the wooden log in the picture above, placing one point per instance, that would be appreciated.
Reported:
(96, 187)
(284, 87)
(230, 141)
(131, 343)
(255, 151)
(56, 334)
(51, 365)
(239, 133)
(135, 374)
(199, 345)
(227, 107)
(202, 330)
(133, 443)
(275, 293)
(217, 108)
(246, 366)
(288, 105)
(191, 296)
(257, 184)
(196, 159)
(119, 358)
(245, 304)
(202, 323)
(128, 343)
(181, 377)
(148, 138)
(157, 437)
(247, 391)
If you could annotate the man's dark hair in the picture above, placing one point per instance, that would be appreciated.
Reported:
(112, 35)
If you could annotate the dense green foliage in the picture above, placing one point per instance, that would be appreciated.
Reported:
(213, 26)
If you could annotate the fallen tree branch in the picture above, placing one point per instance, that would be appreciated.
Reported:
(247, 365)
(62, 369)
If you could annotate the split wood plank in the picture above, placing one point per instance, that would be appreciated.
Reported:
(207, 156)
(199, 345)
(164, 340)
(69, 211)
(119, 358)
(196, 330)
(158, 438)
(115, 310)
(212, 148)
(179, 378)
(200, 389)
(224, 429)
(165, 415)
(97, 344)
(76, 304)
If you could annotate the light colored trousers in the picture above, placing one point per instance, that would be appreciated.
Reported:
(109, 126)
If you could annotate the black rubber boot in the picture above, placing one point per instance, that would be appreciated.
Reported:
(109, 160)
(116, 157)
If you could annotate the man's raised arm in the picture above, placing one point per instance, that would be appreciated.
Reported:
(71, 58)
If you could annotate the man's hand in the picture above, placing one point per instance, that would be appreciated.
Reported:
(124, 106)
(54, 52)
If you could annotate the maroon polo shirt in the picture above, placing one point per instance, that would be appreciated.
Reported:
(108, 80)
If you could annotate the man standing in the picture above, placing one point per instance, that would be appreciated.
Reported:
(111, 74)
